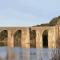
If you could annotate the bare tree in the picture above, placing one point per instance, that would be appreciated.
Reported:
(56, 54)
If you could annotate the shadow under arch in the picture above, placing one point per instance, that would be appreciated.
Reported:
(17, 39)
(45, 39)
(3, 38)
(33, 39)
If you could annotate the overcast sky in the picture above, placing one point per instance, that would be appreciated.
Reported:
(28, 12)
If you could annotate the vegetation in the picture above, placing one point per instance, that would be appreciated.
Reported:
(53, 22)
(17, 38)
(3, 35)
(3, 38)
(32, 39)
(56, 54)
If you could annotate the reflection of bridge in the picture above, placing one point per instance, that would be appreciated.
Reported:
(46, 36)
(29, 54)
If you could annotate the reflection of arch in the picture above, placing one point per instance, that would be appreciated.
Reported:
(3, 38)
(17, 38)
(33, 39)
(45, 39)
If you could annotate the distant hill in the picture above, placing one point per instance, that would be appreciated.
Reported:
(53, 22)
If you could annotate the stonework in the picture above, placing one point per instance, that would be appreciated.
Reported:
(53, 36)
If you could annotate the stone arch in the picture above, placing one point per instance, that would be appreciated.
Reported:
(45, 39)
(17, 38)
(33, 39)
(3, 38)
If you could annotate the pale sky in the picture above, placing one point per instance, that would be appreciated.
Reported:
(28, 12)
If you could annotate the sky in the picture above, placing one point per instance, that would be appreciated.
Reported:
(28, 12)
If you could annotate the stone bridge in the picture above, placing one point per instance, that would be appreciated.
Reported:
(43, 37)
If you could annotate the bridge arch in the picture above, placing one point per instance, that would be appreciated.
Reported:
(3, 38)
(32, 39)
(45, 39)
(17, 38)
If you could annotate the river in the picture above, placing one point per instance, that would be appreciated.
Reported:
(26, 54)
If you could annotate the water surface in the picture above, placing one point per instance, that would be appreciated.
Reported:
(26, 54)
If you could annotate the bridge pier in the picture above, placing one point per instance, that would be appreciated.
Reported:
(38, 39)
(25, 38)
(10, 39)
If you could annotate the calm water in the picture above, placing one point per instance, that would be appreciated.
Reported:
(27, 54)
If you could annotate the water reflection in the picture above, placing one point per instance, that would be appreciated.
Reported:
(28, 54)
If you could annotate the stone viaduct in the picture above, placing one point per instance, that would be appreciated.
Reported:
(46, 36)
